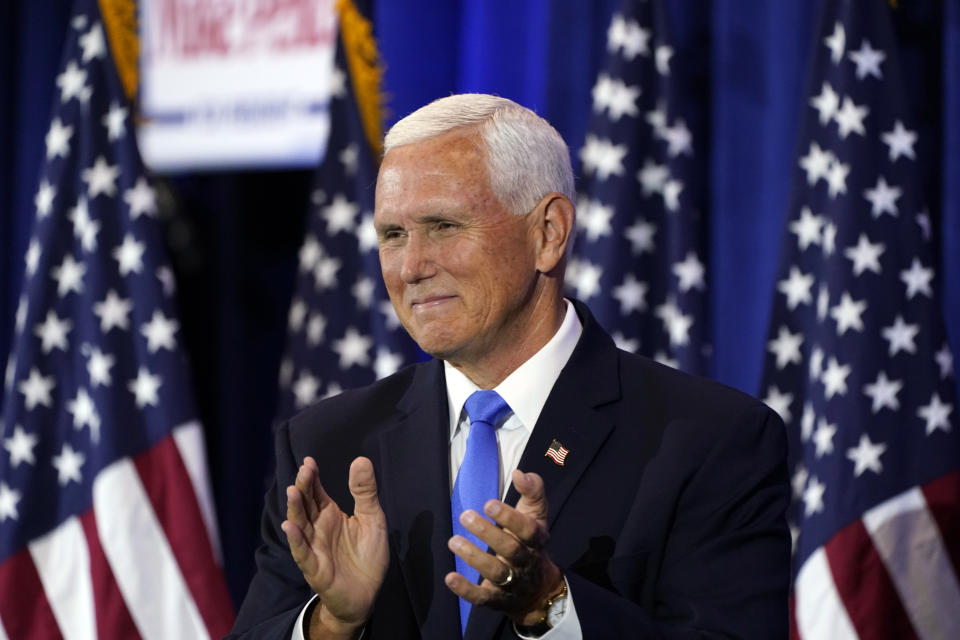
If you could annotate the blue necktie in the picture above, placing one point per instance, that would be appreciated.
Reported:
(479, 476)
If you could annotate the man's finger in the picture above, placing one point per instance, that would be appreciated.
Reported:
(363, 486)
(307, 482)
(533, 498)
(488, 566)
(504, 543)
(470, 592)
(528, 530)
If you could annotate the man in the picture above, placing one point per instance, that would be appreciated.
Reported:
(650, 503)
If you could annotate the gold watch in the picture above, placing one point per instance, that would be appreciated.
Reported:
(556, 607)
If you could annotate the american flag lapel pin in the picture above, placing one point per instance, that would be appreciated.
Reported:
(557, 452)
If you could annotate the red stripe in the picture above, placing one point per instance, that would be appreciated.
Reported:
(943, 500)
(171, 493)
(24, 609)
(794, 629)
(113, 618)
(865, 587)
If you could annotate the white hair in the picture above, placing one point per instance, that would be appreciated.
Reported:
(526, 157)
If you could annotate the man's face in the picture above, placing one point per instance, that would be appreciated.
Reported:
(459, 267)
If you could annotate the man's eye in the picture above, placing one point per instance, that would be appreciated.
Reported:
(391, 234)
(444, 225)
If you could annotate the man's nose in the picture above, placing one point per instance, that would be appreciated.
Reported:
(417, 262)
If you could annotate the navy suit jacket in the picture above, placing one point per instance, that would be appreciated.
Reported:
(667, 517)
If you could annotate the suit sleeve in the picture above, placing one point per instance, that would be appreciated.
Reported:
(724, 569)
(278, 591)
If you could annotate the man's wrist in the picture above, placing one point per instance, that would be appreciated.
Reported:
(557, 588)
(325, 626)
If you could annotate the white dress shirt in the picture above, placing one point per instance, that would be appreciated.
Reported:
(526, 391)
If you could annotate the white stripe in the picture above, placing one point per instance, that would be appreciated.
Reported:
(189, 439)
(140, 556)
(3, 632)
(819, 611)
(62, 560)
(907, 538)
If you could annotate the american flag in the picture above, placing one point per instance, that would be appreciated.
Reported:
(857, 364)
(557, 452)
(106, 519)
(639, 258)
(343, 331)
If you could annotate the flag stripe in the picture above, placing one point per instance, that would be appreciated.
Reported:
(29, 613)
(146, 570)
(908, 540)
(63, 564)
(113, 617)
(864, 585)
(819, 611)
(171, 494)
(943, 500)
(190, 444)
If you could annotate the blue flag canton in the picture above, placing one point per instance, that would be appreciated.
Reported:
(858, 365)
(640, 253)
(343, 330)
(96, 372)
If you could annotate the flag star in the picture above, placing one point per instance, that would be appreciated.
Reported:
(836, 42)
(32, 258)
(362, 291)
(664, 359)
(286, 372)
(142, 199)
(325, 273)
(640, 235)
(849, 118)
(807, 228)
(671, 194)
(678, 138)
(657, 119)
(901, 141)
(53, 332)
(115, 120)
(835, 378)
(823, 302)
(101, 178)
(145, 387)
(629, 37)
(602, 157)
(813, 497)
(367, 234)
(883, 392)
(340, 215)
(923, 221)
(847, 314)
(85, 414)
(72, 82)
(390, 317)
(68, 465)
(8, 502)
(786, 347)
(305, 389)
(10, 373)
(816, 163)
(625, 343)
(663, 55)
(129, 255)
(298, 312)
(84, 228)
(310, 252)
(779, 402)
(937, 414)
(316, 326)
(615, 97)
(796, 287)
(690, 273)
(837, 178)
(69, 276)
(36, 389)
(823, 438)
(865, 256)
(917, 278)
(653, 177)
(900, 335)
(584, 277)
(868, 60)
(349, 157)
(318, 197)
(866, 455)
(631, 294)
(353, 349)
(799, 480)
(829, 238)
(944, 360)
(826, 105)
(78, 22)
(93, 44)
(338, 82)
(595, 219)
(386, 363)
(807, 421)
(816, 363)
(99, 367)
(20, 447)
(883, 198)
(159, 332)
(333, 389)
(43, 201)
(165, 276)
(58, 139)
(675, 323)
(113, 311)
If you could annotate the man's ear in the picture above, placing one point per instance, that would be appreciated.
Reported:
(554, 230)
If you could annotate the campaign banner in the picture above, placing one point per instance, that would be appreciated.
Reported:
(235, 83)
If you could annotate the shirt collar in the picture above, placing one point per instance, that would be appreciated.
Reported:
(527, 387)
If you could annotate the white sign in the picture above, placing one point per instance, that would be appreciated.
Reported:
(235, 83)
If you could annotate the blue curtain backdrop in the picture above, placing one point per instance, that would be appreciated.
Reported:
(235, 236)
